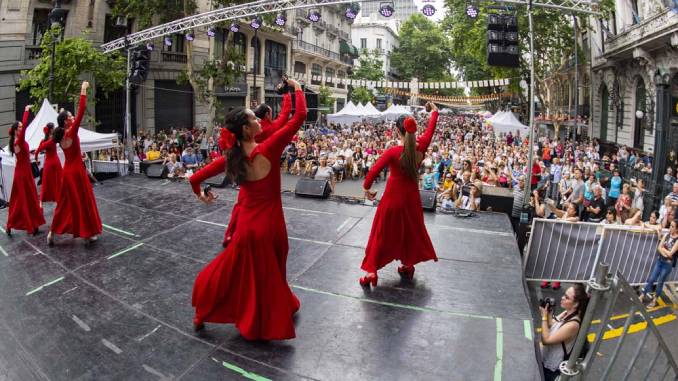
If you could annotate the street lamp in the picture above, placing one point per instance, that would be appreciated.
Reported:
(56, 18)
(255, 24)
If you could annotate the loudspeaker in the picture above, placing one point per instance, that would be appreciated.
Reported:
(502, 40)
(219, 181)
(500, 199)
(429, 200)
(156, 171)
(308, 187)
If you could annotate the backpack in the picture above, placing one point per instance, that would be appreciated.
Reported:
(584, 349)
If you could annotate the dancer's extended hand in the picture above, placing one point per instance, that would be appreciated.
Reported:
(370, 195)
(432, 106)
(207, 199)
(27, 108)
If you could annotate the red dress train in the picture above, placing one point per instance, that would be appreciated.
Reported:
(267, 129)
(76, 211)
(246, 283)
(24, 208)
(398, 230)
(52, 173)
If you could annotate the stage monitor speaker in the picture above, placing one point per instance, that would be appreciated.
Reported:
(156, 171)
(429, 200)
(308, 187)
(500, 199)
(219, 181)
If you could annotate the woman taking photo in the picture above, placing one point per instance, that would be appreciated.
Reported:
(398, 230)
(25, 212)
(246, 283)
(51, 170)
(558, 333)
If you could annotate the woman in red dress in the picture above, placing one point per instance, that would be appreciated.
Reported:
(398, 230)
(51, 170)
(25, 212)
(246, 283)
(268, 127)
(76, 211)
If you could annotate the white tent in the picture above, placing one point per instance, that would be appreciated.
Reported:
(505, 121)
(346, 116)
(393, 112)
(370, 110)
(89, 141)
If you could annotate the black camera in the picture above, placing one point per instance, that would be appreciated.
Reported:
(283, 87)
(547, 303)
(206, 190)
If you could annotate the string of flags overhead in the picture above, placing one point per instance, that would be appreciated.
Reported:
(403, 84)
(479, 99)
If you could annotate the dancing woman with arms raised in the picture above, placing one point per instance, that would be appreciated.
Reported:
(398, 230)
(52, 172)
(25, 212)
(246, 283)
(76, 212)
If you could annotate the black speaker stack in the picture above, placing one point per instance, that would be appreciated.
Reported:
(429, 200)
(307, 187)
(156, 171)
(502, 40)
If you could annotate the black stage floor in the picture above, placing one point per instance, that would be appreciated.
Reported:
(121, 310)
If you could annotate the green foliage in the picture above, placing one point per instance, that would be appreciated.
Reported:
(361, 95)
(424, 52)
(221, 71)
(325, 98)
(370, 67)
(74, 58)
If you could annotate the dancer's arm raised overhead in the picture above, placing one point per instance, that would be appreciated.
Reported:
(274, 145)
(21, 136)
(425, 140)
(82, 106)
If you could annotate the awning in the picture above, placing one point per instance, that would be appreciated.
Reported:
(346, 48)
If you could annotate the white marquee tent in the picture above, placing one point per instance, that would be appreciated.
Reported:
(89, 141)
(505, 121)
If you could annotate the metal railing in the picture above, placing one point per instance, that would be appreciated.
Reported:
(303, 45)
(32, 53)
(568, 251)
(608, 289)
(174, 57)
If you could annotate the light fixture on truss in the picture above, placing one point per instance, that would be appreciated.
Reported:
(386, 9)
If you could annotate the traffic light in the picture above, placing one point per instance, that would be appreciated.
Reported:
(502, 40)
(140, 62)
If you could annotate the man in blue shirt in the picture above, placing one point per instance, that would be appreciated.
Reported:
(189, 159)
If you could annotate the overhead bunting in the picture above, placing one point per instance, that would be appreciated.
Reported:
(450, 99)
(405, 85)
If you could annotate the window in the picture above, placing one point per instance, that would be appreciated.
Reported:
(40, 25)
(329, 76)
(316, 70)
(378, 43)
(240, 44)
(363, 43)
(634, 11)
(178, 44)
(275, 55)
(257, 54)
(220, 37)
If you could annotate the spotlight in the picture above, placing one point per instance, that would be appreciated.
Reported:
(190, 36)
(168, 41)
(255, 23)
(280, 19)
(350, 14)
(150, 46)
(235, 28)
(211, 32)
(386, 10)
(472, 11)
(313, 16)
(428, 10)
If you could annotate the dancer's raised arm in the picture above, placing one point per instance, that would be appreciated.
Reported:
(274, 146)
(82, 105)
(425, 140)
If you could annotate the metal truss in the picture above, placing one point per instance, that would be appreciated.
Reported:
(267, 6)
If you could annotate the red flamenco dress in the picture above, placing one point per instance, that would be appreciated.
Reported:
(76, 211)
(52, 172)
(267, 129)
(24, 208)
(398, 230)
(246, 283)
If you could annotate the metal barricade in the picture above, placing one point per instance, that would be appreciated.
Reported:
(608, 288)
(568, 252)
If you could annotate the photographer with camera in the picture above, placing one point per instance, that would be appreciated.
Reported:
(558, 332)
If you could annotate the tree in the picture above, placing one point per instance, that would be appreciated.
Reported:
(370, 67)
(325, 99)
(424, 51)
(74, 58)
(361, 95)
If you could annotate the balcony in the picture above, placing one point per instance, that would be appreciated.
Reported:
(332, 32)
(649, 33)
(348, 60)
(174, 57)
(344, 35)
(32, 53)
(310, 48)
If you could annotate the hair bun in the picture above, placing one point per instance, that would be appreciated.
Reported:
(410, 125)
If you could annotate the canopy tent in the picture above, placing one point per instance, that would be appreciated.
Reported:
(393, 112)
(505, 121)
(346, 116)
(89, 141)
(370, 110)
